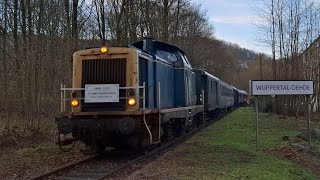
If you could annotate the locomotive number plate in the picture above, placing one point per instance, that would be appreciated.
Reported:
(101, 93)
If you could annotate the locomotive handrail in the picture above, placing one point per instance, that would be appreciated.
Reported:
(63, 99)
(119, 98)
(159, 107)
(144, 115)
(82, 89)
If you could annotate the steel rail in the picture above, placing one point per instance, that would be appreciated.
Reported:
(165, 147)
(159, 150)
(64, 168)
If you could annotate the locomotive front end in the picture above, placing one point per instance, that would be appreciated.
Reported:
(107, 80)
(102, 104)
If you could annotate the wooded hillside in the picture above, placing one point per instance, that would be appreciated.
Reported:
(38, 38)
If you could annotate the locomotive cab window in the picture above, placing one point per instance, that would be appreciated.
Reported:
(168, 56)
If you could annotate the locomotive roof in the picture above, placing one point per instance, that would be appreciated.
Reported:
(167, 46)
(156, 45)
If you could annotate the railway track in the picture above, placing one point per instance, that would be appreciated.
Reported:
(94, 167)
(117, 164)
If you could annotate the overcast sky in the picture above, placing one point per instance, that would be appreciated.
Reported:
(233, 21)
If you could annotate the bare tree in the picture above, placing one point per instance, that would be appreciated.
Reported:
(4, 53)
(38, 38)
(292, 25)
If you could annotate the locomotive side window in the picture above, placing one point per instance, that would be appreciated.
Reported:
(185, 59)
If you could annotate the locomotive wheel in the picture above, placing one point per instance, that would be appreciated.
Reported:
(167, 131)
(100, 147)
(197, 120)
(178, 127)
(134, 142)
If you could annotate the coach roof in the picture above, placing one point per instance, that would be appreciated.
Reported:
(210, 75)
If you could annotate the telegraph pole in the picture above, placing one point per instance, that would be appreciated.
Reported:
(260, 59)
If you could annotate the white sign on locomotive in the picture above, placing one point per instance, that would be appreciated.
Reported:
(98, 93)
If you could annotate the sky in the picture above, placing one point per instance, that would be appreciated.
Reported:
(233, 21)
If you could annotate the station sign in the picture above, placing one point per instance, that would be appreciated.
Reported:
(101, 93)
(281, 87)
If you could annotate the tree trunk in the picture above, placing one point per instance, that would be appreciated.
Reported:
(75, 24)
(6, 118)
(67, 11)
(165, 25)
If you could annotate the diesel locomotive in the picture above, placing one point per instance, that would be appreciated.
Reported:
(137, 96)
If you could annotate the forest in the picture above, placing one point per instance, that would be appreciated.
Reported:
(291, 29)
(38, 38)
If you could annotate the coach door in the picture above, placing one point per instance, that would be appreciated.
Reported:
(217, 93)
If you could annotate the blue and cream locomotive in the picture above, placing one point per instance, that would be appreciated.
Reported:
(137, 96)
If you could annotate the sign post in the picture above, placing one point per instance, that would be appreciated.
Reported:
(257, 120)
(264, 88)
(309, 124)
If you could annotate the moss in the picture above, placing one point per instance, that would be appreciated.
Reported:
(37, 150)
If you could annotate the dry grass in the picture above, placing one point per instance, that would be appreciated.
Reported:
(28, 149)
(19, 132)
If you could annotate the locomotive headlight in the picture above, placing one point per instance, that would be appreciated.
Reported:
(74, 103)
(132, 101)
(104, 49)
